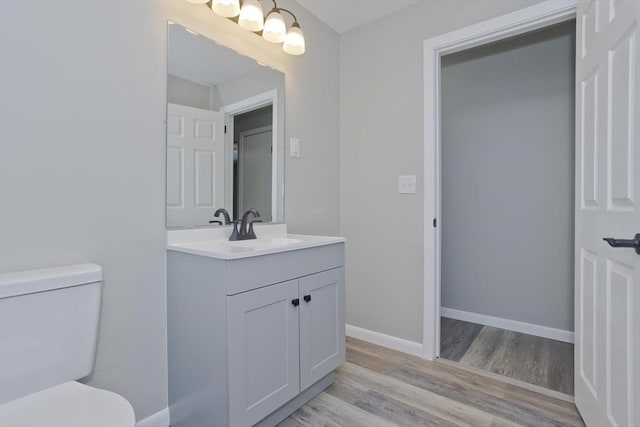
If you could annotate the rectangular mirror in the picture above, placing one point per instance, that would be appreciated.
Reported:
(225, 133)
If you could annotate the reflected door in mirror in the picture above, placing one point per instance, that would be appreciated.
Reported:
(195, 165)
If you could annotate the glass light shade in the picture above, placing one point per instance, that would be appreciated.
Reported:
(197, 1)
(274, 28)
(251, 16)
(294, 41)
(226, 8)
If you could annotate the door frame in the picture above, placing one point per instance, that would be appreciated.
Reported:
(538, 16)
(253, 103)
(240, 163)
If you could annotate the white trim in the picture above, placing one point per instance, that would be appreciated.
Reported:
(159, 419)
(503, 378)
(532, 18)
(388, 341)
(509, 325)
(261, 100)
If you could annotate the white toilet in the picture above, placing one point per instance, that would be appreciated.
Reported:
(48, 332)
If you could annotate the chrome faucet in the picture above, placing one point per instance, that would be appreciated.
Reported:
(223, 211)
(245, 232)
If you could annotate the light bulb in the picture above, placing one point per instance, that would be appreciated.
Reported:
(274, 28)
(251, 16)
(226, 8)
(294, 41)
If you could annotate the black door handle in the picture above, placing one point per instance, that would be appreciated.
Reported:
(295, 302)
(307, 298)
(622, 243)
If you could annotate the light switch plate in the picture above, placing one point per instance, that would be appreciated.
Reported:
(407, 184)
(294, 147)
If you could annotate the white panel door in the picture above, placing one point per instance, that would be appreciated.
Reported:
(255, 171)
(195, 165)
(607, 305)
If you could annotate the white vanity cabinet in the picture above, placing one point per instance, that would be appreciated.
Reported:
(252, 339)
(282, 339)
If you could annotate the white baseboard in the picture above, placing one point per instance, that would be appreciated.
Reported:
(508, 324)
(394, 343)
(159, 419)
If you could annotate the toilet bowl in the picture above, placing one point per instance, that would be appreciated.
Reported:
(48, 334)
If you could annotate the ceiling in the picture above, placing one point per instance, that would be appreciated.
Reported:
(345, 15)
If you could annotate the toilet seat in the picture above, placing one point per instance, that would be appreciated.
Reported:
(69, 404)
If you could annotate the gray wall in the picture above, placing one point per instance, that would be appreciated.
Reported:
(507, 178)
(185, 92)
(381, 134)
(252, 120)
(82, 153)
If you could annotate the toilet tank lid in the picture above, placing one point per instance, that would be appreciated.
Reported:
(47, 279)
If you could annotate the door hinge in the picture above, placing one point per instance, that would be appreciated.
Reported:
(435, 222)
(225, 129)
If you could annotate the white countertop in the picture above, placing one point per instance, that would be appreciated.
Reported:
(271, 239)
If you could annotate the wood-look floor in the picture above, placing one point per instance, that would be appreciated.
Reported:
(382, 387)
(535, 360)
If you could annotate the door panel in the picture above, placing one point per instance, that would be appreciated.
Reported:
(588, 337)
(322, 334)
(590, 142)
(619, 353)
(175, 194)
(607, 279)
(204, 173)
(195, 165)
(263, 351)
(621, 66)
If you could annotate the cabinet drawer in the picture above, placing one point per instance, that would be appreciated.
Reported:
(246, 274)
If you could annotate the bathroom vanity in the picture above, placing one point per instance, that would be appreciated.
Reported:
(255, 328)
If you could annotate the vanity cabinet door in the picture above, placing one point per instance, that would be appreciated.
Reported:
(322, 341)
(263, 351)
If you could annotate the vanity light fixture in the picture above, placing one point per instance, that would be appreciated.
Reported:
(274, 30)
(250, 16)
(294, 42)
(226, 8)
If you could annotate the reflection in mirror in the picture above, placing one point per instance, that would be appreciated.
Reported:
(225, 133)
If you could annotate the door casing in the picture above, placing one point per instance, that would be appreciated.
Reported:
(532, 18)
(277, 180)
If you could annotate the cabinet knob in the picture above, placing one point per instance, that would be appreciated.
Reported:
(295, 302)
(307, 298)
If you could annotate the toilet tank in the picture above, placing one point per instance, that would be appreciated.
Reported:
(48, 327)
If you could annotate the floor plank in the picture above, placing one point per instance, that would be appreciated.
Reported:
(535, 360)
(457, 337)
(382, 387)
